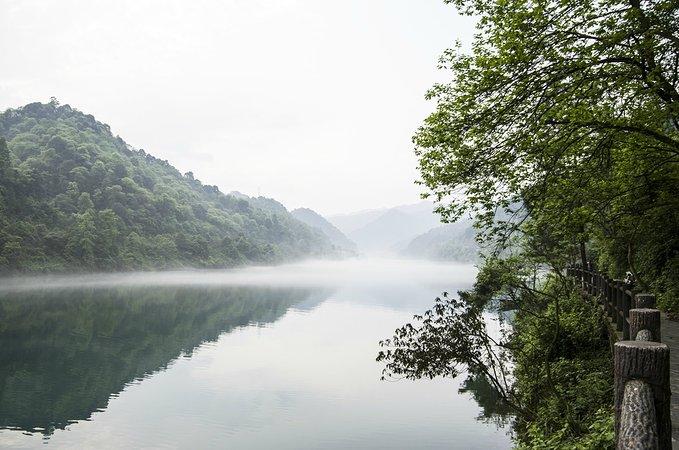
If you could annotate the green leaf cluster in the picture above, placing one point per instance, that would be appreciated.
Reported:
(563, 373)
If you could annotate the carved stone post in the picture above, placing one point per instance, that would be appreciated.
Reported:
(644, 319)
(648, 362)
(645, 301)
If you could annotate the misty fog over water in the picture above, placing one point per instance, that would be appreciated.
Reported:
(335, 273)
(259, 357)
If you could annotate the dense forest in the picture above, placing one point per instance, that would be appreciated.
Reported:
(559, 132)
(75, 197)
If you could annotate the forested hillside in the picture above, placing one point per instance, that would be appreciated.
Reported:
(449, 242)
(75, 197)
(313, 219)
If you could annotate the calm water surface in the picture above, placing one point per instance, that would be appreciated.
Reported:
(257, 358)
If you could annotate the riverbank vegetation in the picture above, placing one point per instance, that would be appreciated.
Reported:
(549, 361)
(75, 197)
(559, 134)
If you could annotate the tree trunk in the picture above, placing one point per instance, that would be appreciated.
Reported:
(583, 255)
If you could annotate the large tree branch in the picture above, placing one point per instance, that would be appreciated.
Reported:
(600, 125)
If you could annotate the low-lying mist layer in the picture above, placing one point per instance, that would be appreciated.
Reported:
(305, 274)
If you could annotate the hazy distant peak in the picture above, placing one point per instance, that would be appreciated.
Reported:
(386, 231)
(313, 219)
(238, 195)
(305, 211)
(394, 214)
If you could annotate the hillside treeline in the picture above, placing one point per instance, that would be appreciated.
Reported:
(75, 197)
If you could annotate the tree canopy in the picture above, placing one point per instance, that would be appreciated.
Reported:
(75, 197)
(559, 133)
(565, 116)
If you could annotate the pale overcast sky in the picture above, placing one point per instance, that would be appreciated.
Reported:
(311, 102)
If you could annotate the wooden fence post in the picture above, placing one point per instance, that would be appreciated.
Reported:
(618, 319)
(638, 423)
(627, 300)
(609, 298)
(648, 362)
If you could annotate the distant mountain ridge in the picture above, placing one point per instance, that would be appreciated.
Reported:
(313, 219)
(350, 222)
(412, 230)
(449, 242)
(387, 230)
(75, 197)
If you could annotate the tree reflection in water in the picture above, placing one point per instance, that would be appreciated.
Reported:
(64, 354)
(493, 409)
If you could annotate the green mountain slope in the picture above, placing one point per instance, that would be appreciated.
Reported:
(313, 219)
(449, 242)
(75, 197)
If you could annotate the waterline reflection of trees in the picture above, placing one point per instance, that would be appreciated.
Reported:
(64, 354)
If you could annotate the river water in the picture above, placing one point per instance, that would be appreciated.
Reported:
(256, 358)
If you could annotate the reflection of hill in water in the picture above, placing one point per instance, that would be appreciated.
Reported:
(64, 354)
(313, 299)
(493, 409)
(411, 298)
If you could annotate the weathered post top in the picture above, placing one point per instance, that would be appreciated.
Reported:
(644, 319)
(644, 301)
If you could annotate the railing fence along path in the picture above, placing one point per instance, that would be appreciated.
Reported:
(641, 361)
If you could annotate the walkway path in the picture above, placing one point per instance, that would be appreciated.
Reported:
(669, 330)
